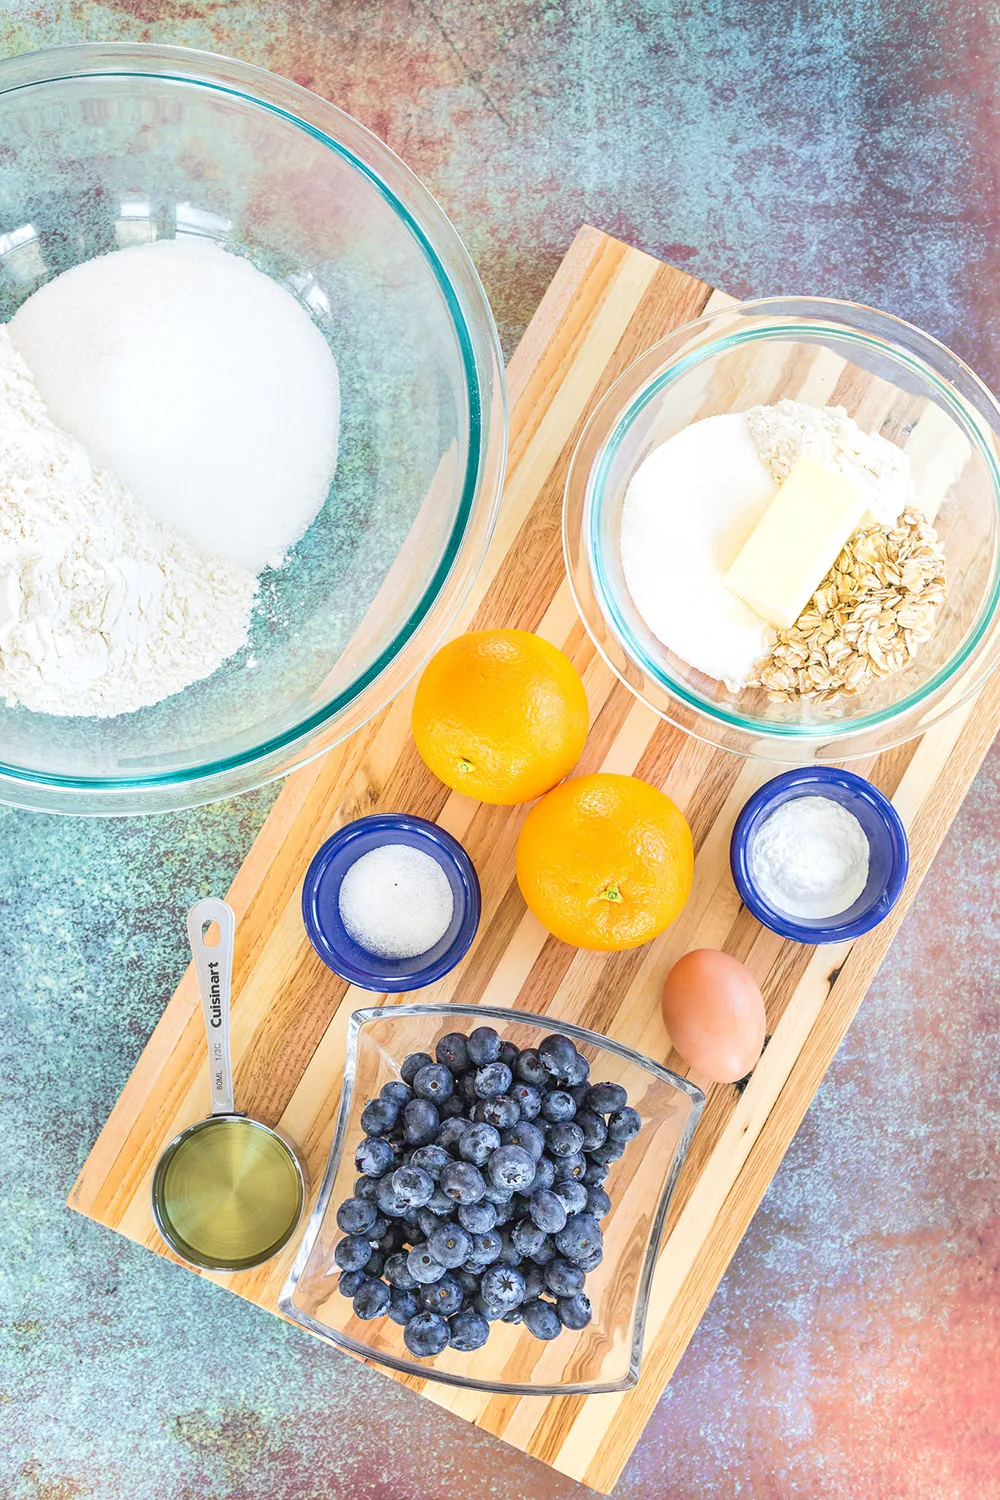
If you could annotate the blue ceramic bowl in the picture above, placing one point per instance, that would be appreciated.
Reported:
(888, 861)
(321, 903)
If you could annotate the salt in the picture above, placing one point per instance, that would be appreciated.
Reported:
(200, 383)
(396, 901)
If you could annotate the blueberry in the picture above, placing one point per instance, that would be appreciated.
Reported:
(564, 1139)
(509, 1255)
(426, 1334)
(531, 1069)
(397, 1272)
(450, 1245)
(349, 1281)
(593, 1260)
(379, 1116)
(411, 1067)
(483, 1046)
(502, 1112)
(598, 1202)
(477, 1217)
(462, 1182)
(534, 1280)
(468, 1330)
(540, 1318)
(512, 1315)
(563, 1277)
(452, 1106)
(430, 1159)
(545, 1174)
(402, 1306)
(452, 1051)
(374, 1157)
(548, 1211)
(594, 1129)
(428, 1221)
(497, 1193)
(439, 1203)
(352, 1252)
(579, 1072)
(421, 1122)
(596, 1174)
(579, 1092)
(502, 1287)
(374, 1264)
(468, 1281)
(570, 1168)
(389, 1203)
(527, 1236)
(451, 1132)
(606, 1098)
(558, 1105)
(545, 1253)
(527, 1098)
(487, 1310)
(625, 1124)
(509, 1054)
(434, 1082)
(413, 1186)
(486, 1248)
(444, 1296)
(527, 1136)
(366, 1187)
(557, 1055)
(574, 1312)
(396, 1092)
(466, 1088)
(580, 1238)
(371, 1300)
(503, 1212)
(355, 1215)
(512, 1166)
(423, 1266)
(572, 1195)
(608, 1152)
(392, 1240)
(493, 1080)
(479, 1143)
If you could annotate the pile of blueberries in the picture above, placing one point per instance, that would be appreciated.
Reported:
(481, 1191)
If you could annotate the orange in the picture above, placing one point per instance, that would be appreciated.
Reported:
(500, 715)
(605, 862)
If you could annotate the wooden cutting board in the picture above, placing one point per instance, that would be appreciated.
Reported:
(606, 305)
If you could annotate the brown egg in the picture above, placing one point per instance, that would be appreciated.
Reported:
(714, 1012)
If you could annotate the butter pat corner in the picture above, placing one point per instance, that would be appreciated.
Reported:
(796, 541)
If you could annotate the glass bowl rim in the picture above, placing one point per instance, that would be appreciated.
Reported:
(360, 1018)
(316, 117)
(675, 366)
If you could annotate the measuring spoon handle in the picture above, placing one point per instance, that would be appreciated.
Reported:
(214, 967)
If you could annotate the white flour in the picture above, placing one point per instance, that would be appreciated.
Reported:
(102, 609)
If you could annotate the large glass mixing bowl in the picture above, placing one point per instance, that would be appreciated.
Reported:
(103, 147)
(892, 379)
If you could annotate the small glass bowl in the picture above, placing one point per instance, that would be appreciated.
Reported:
(893, 380)
(321, 903)
(889, 857)
(605, 1356)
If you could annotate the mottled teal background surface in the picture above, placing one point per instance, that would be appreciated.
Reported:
(854, 1348)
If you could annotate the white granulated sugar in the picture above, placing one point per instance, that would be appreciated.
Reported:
(689, 508)
(789, 429)
(102, 609)
(396, 901)
(810, 858)
(200, 383)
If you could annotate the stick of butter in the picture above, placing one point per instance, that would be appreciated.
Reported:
(796, 542)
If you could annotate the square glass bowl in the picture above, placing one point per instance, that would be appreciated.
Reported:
(605, 1356)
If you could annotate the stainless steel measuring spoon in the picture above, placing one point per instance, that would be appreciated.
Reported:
(228, 1192)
